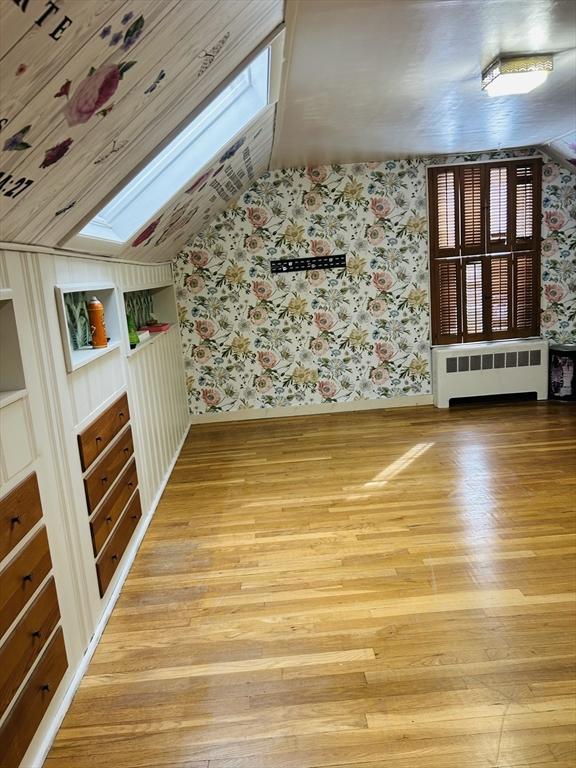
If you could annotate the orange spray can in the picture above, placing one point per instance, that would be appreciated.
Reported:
(97, 324)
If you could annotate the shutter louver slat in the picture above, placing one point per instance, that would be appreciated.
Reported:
(447, 304)
(526, 310)
(500, 311)
(527, 190)
(446, 210)
(498, 208)
(473, 299)
(472, 226)
(444, 224)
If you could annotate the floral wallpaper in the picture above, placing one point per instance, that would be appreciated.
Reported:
(256, 340)
(558, 319)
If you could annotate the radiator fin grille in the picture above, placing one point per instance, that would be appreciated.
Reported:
(488, 361)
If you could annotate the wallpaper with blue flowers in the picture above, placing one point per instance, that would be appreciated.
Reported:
(256, 340)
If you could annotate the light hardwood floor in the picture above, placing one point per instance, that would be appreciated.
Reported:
(386, 589)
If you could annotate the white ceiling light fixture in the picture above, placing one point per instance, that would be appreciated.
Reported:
(510, 75)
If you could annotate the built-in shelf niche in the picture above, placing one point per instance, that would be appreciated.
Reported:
(12, 383)
(106, 293)
(163, 303)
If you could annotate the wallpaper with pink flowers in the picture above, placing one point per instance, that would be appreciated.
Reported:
(256, 340)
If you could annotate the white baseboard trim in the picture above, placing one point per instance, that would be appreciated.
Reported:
(40, 752)
(247, 414)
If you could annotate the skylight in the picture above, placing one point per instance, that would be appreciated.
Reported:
(181, 160)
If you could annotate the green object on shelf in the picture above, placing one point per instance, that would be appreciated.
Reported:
(139, 304)
(132, 335)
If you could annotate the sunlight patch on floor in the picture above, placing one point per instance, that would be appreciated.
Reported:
(392, 470)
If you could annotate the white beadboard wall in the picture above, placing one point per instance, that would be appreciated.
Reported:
(60, 404)
(157, 389)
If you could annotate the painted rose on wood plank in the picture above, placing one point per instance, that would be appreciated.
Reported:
(93, 92)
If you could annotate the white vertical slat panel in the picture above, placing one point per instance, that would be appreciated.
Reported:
(171, 363)
(4, 281)
(142, 443)
(17, 446)
(150, 415)
(181, 414)
(93, 384)
(158, 406)
(163, 429)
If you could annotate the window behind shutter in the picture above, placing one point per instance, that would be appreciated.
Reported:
(446, 302)
(472, 210)
(472, 293)
(500, 295)
(444, 230)
(526, 294)
(527, 189)
(498, 238)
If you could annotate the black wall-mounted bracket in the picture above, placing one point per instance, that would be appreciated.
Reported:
(305, 263)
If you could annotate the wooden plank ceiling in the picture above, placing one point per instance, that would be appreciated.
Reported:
(91, 89)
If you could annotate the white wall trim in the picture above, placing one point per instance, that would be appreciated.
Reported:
(70, 253)
(402, 401)
(453, 158)
(41, 750)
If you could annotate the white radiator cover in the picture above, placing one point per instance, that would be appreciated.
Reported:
(489, 368)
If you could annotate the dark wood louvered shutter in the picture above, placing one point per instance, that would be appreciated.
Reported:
(500, 296)
(447, 302)
(473, 310)
(498, 209)
(485, 251)
(472, 210)
(526, 299)
(444, 225)
(526, 185)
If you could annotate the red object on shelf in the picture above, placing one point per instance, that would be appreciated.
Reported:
(158, 328)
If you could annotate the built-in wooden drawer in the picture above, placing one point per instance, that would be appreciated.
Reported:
(98, 481)
(112, 553)
(24, 645)
(22, 577)
(20, 510)
(101, 432)
(25, 716)
(111, 508)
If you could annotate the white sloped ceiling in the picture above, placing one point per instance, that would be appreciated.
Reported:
(376, 79)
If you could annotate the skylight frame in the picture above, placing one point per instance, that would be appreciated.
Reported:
(248, 95)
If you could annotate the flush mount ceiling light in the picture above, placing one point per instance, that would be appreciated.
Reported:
(516, 74)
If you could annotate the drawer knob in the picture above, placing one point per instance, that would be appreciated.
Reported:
(134, 517)
(37, 633)
(114, 557)
(28, 577)
(15, 521)
(109, 519)
(130, 485)
(126, 450)
(104, 480)
(98, 439)
(121, 415)
(45, 687)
